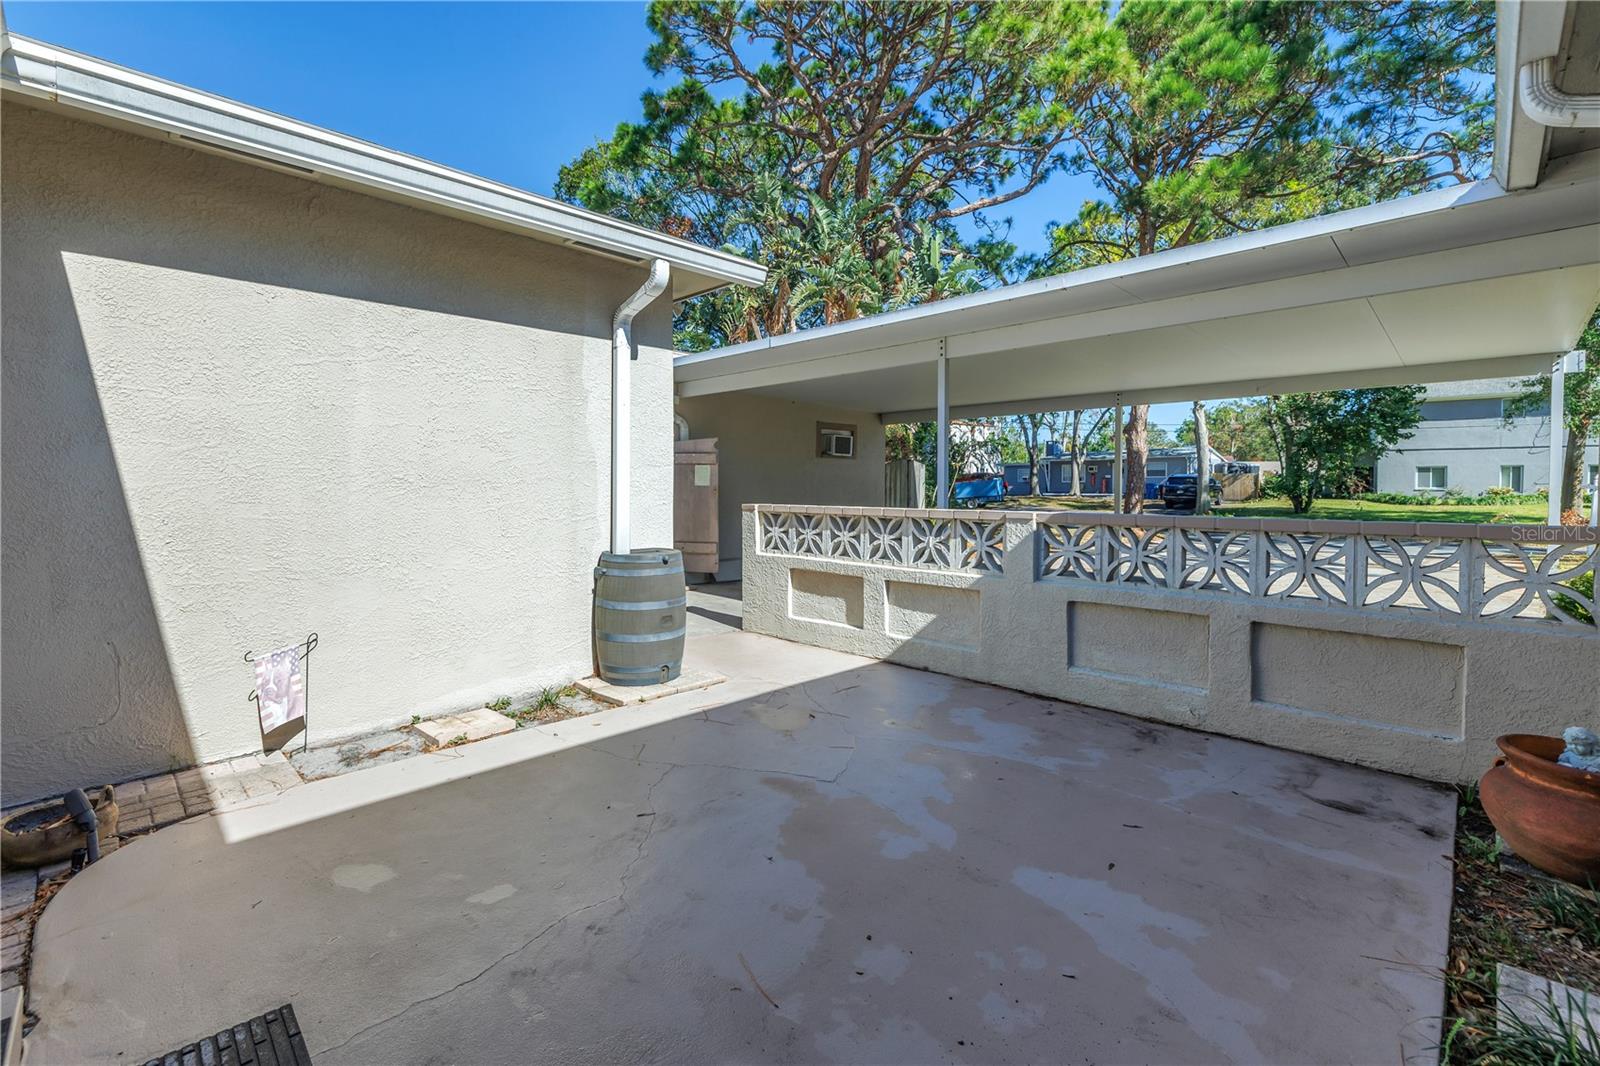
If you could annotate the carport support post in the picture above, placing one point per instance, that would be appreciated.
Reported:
(1558, 432)
(942, 415)
(1116, 467)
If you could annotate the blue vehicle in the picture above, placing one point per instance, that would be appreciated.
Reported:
(978, 491)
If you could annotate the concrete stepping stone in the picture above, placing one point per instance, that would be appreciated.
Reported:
(1529, 998)
(472, 725)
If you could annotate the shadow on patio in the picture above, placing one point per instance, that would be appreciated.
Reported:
(825, 858)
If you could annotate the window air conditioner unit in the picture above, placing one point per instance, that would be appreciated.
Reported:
(839, 445)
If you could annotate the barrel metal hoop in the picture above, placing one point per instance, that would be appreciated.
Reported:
(654, 571)
(639, 638)
(647, 605)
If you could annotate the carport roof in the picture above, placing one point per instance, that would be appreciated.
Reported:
(1468, 282)
(1465, 282)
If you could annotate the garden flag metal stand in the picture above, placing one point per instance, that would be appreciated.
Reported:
(283, 687)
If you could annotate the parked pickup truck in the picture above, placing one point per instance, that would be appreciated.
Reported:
(1177, 492)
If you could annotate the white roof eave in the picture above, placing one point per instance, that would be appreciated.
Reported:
(1437, 242)
(127, 97)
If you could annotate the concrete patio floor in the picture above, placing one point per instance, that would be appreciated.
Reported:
(824, 859)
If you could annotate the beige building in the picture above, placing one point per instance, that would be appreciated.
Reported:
(261, 380)
(772, 450)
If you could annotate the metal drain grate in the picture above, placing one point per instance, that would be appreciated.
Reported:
(270, 1039)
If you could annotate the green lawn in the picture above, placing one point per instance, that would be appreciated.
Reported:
(1359, 510)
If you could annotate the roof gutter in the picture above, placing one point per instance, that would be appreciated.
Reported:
(622, 357)
(1547, 105)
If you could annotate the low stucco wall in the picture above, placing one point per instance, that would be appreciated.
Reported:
(240, 406)
(1393, 688)
(767, 453)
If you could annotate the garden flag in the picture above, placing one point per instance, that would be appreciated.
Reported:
(280, 688)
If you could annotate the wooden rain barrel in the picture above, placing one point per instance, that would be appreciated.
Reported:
(638, 616)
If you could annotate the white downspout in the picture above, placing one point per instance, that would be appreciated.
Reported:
(622, 356)
(1548, 105)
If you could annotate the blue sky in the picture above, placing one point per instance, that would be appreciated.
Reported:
(507, 90)
(510, 91)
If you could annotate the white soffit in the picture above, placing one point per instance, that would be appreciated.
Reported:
(104, 92)
(1464, 282)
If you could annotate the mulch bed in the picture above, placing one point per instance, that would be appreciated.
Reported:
(1498, 916)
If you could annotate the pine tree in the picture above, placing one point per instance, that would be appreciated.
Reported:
(1212, 118)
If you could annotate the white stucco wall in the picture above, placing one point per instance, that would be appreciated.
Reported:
(767, 453)
(1406, 690)
(240, 406)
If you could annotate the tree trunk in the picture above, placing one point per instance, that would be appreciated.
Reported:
(1572, 469)
(1077, 483)
(1137, 445)
(1030, 431)
(1202, 457)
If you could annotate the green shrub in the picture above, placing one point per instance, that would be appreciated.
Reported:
(1584, 585)
(1497, 496)
(1565, 908)
(1393, 498)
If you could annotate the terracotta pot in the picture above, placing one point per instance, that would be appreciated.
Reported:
(46, 833)
(1548, 813)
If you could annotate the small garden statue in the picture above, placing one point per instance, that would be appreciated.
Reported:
(1583, 750)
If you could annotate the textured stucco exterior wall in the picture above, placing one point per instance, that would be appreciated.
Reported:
(240, 406)
(767, 453)
(1392, 690)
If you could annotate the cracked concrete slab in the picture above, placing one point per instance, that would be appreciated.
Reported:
(823, 859)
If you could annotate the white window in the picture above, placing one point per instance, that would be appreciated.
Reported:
(1433, 477)
(1511, 478)
(1155, 470)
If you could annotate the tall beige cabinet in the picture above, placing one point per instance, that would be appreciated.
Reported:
(694, 504)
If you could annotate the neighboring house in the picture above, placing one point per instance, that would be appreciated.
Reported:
(1464, 442)
(976, 444)
(1099, 470)
(262, 379)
